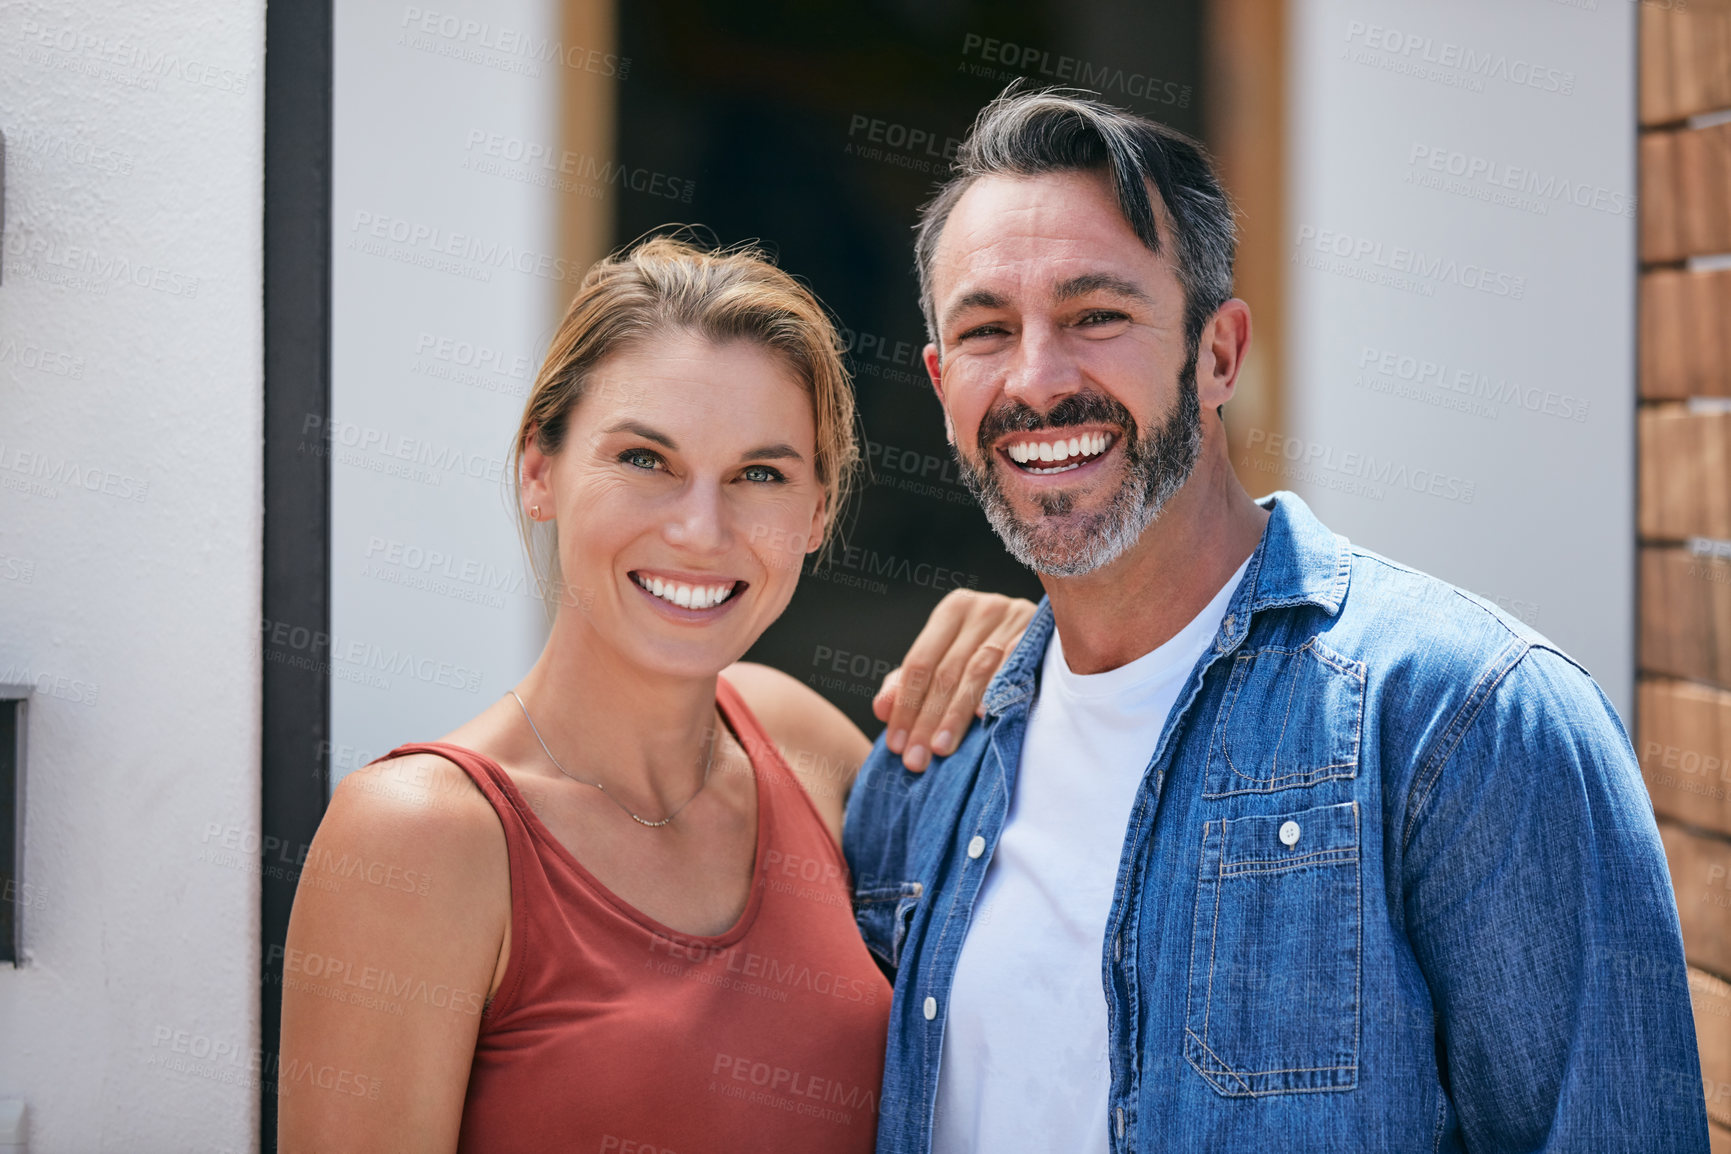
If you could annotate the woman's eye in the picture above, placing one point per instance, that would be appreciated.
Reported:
(641, 458)
(763, 473)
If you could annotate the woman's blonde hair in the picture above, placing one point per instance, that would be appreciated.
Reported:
(666, 283)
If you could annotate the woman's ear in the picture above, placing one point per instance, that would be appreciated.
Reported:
(535, 478)
(814, 538)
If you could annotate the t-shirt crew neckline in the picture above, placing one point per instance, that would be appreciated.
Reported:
(1182, 648)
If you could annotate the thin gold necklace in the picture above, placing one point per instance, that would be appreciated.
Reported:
(710, 764)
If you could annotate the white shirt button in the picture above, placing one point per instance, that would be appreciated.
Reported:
(1289, 833)
(931, 1008)
(977, 846)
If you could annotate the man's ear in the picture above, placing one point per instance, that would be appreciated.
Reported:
(935, 370)
(1224, 342)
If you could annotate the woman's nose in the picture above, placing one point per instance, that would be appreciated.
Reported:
(699, 520)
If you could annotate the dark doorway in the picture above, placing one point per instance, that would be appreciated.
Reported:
(818, 129)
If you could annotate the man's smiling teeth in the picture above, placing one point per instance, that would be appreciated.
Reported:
(1078, 448)
(686, 596)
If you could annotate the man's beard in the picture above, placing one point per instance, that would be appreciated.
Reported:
(1155, 467)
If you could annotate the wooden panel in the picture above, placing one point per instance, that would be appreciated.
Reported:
(1686, 193)
(1701, 876)
(1703, 179)
(1711, 999)
(1245, 128)
(1661, 227)
(1658, 101)
(1685, 615)
(587, 115)
(1685, 467)
(1683, 737)
(1685, 334)
(1685, 59)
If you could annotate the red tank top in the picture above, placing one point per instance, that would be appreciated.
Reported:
(612, 1032)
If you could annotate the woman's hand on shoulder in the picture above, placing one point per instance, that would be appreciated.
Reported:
(928, 702)
(822, 747)
(399, 916)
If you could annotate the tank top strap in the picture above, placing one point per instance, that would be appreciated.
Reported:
(493, 782)
(776, 780)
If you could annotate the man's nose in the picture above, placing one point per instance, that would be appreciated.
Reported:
(1043, 371)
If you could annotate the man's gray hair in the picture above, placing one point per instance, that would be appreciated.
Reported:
(1065, 130)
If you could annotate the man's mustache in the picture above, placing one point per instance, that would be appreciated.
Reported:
(1076, 409)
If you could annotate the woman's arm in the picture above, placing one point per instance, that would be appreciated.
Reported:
(929, 701)
(398, 929)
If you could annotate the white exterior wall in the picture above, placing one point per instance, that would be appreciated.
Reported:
(444, 295)
(130, 518)
(1509, 464)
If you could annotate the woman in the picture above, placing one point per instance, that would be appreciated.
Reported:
(607, 914)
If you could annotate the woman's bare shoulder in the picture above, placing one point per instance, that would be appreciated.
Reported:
(417, 791)
(422, 809)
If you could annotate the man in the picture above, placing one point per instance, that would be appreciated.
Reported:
(1264, 842)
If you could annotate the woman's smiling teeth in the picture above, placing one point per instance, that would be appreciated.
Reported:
(1061, 455)
(686, 596)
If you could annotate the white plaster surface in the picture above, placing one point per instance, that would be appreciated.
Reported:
(445, 289)
(130, 516)
(1529, 108)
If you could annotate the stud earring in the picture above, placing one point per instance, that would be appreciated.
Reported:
(534, 512)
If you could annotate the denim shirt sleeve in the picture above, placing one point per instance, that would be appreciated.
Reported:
(1540, 911)
(876, 843)
(897, 827)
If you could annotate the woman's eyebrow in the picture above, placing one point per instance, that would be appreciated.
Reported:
(643, 431)
(777, 452)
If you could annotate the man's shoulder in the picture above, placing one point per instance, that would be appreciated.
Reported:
(894, 812)
(1365, 607)
(1438, 649)
(1405, 613)
(886, 785)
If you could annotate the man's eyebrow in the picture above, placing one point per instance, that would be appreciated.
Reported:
(1081, 286)
(643, 431)
(974, 299)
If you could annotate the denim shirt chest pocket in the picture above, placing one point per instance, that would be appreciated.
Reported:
(1273, 998)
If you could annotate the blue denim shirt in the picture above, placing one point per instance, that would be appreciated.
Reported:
(1471, 943)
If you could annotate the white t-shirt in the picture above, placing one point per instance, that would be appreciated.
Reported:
(1025, 1063)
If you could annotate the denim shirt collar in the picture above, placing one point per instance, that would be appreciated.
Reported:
(1297, 562)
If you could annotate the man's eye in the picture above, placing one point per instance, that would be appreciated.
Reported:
(763, 473)
(982, 331)
(1102, 316)
(641, 458)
